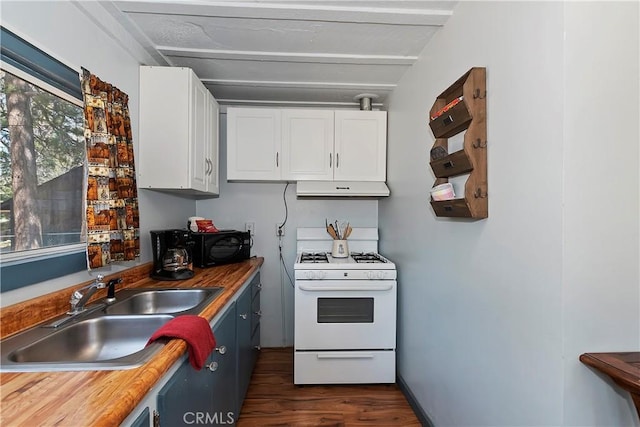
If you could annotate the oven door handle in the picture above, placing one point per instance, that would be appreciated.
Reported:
(345, 356)
(368, 287)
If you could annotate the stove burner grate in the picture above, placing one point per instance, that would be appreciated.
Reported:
(318, 257)
(369, 257)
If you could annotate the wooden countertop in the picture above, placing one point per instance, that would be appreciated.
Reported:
(98, 398)
(623, 368)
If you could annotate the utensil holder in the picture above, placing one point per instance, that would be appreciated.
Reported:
(340, 249)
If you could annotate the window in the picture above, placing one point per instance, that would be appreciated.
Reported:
(41, 173)
(42, 159)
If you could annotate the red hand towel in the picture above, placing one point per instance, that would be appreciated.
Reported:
(195, 330)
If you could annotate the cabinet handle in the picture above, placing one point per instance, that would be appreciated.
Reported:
(330, 159)
(222, 349)
(337, 160)
(448, 165)
(244, 316)
(210, 166)
(345, 356)
(259, 286)
(257, 347)
(213, 366)
(258, 313)
(277, 159)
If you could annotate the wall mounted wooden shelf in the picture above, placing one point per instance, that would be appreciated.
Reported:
(462, 107)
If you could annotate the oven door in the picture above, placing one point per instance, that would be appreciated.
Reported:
(345, 314)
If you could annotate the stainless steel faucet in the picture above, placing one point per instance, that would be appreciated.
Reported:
(78, 299)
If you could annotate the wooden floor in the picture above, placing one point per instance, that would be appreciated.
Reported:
(273, 399)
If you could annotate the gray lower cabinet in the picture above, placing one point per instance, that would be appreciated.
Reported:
(247, 335)
(214, 395)
(205, 397)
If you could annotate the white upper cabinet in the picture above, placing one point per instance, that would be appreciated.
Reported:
(360, 146)
(213, 184)
(253, 144)
(306, 144)
(178, 147)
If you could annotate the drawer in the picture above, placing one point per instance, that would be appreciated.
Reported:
(344, 367)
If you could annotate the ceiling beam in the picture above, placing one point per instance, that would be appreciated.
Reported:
(298, 84)
(325, 58)
(292, 11)
(252, 102)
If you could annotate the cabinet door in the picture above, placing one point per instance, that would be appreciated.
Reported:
(187, 393)
(199, 138)
(176, 132)
(210, 392)
(165, 107)
(307, 144)
(253, 144)
(213, 176)
(143, 420)
(360, 146)
(245, 347)
(224, 402)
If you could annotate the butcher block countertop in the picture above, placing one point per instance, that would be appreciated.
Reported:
(623, 368)
(98, 398)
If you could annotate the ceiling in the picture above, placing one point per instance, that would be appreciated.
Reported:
(287, 53)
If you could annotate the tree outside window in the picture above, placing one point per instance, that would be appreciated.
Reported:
(41, 167)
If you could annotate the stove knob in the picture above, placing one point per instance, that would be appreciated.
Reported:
(375, 275)
(310, 275)
(322, 274)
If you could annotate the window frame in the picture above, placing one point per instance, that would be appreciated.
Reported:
(32, 64)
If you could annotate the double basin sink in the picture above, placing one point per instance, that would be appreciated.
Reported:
(104, 336)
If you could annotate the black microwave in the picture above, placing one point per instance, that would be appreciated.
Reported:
(222, 247)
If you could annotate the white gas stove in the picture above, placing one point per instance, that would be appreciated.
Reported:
(345, 310)
(357, 266)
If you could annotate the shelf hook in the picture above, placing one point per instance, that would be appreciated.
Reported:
(479, 144)
(478, 194)
(476, 94)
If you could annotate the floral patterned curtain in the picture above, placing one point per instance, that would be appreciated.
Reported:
(113, 232)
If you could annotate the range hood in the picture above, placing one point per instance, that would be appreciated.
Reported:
(342, 189)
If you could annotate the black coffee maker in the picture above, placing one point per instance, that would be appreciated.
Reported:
(172, 259)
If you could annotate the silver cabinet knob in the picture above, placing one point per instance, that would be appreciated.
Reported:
(222, 349)
(244, 316)
(213, 366)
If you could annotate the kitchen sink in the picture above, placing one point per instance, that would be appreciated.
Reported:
(162, 301)
(106, 336)
(101, 342)
(93, 340)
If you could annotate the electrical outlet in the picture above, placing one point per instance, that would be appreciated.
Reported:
(279, 229)
(250, 227)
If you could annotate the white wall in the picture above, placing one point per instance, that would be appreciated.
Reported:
(67, 31)
(263, 203)
(601, 284)
(493, 314)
